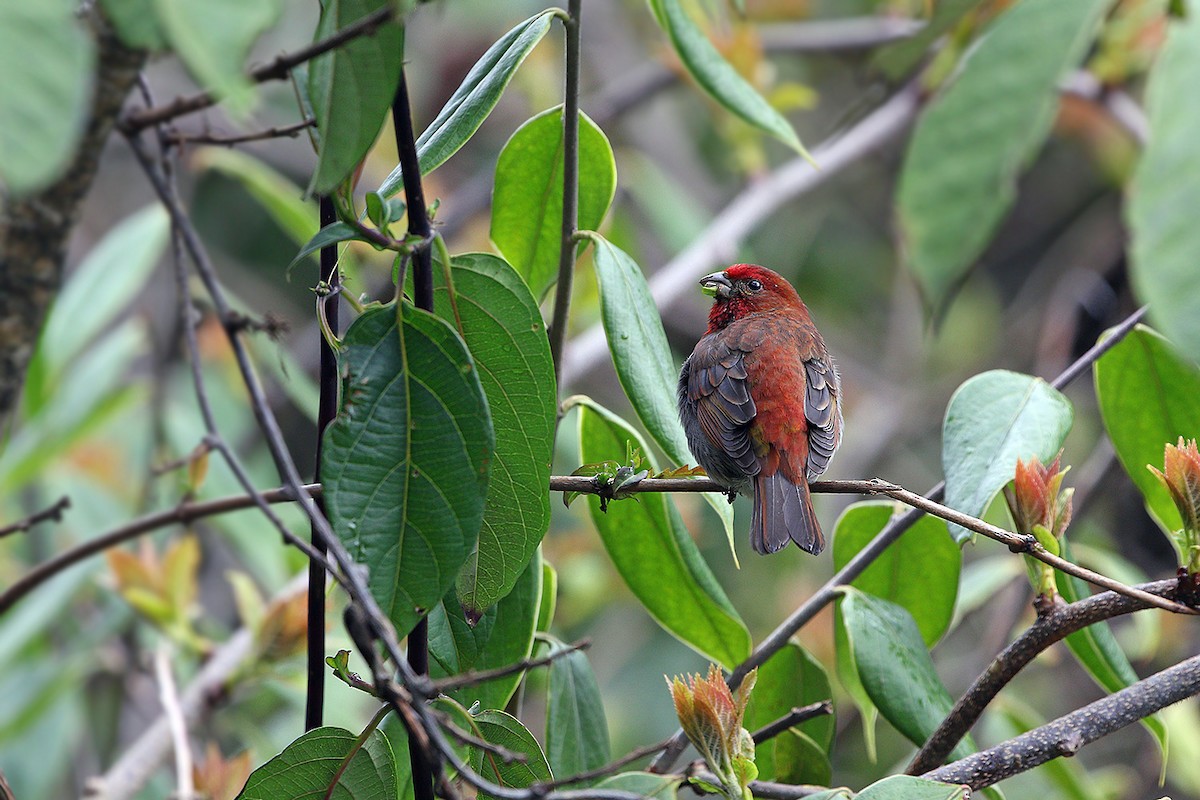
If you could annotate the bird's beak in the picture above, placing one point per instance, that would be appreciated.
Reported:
(716, 285)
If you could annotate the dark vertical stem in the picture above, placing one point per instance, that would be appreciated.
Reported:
(326, 409)
(570, 215)
(418, 225)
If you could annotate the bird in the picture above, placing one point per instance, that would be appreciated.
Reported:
(760, 402)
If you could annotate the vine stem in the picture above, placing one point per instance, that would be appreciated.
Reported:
(570, 199)
(314, 702)
(418, 226)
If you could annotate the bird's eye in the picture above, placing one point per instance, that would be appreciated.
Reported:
(754, 285)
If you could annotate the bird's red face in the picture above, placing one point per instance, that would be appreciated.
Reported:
(745, 289)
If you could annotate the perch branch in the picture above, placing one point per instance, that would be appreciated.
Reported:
(1066, 735)
(793, 717)
(52, 514)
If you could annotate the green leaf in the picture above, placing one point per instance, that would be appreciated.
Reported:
(895, 667)
(111, 275)
(309, 766)
(971, 143)
(277, 194)
(549, 597)
(351, 89)
(1166, 241)
(718, 77)
(505, 730)
(790, 678)
(1096, 649)
(331, 234)
(647, 370)
(696, 610)
(474, 99)
(135, 22)
(847, 672)
(799, 759)
(576, 728)
(405, 462)
(527, 196)
(1149, 396)
(47, 60)
(926, 550)
(213, 38)
(647, 784)
(898, 59)
(502, 636)
(992, 420)
(501, 325)
(906, 787)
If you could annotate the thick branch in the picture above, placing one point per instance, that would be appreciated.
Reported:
(1048, 629)
(276, 70)
(34, 230)
(1066, 735)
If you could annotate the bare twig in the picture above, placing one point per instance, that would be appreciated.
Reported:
(475, 677)
(52, 514)
(178, 138)
(793, 717)
(169, 696)
(769, 790)
(276, 70)
(611, 767)
(1045, 631)
(1066, 735)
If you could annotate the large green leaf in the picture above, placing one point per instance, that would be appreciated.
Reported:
(474, 99)
(527, 196)
(718, 77)
(500, 322)
(651, 549)
(576, 728)
(351, 89)
(1096, 648)
(971, 143)
(790, 678)
(405, 462)
(925, 549)
(895, 667)
(46, 59)
(312, 766)
(1166, 239)
(992, 420)
(906, 787)
(1149, 396)
(505, 730)
(502, 636)
(213, 38)
(647, 370)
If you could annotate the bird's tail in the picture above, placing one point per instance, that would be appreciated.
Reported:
(783, 510)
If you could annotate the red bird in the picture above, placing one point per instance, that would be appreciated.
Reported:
(759, 400)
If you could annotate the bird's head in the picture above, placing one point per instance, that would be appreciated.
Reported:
(745, 289)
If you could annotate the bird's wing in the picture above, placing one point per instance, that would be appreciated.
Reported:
(724, 408)
(823, 415)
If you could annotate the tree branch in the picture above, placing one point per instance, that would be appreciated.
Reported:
(474, 677)
(52, 514)
(1066, 735)
(793, 717)
(276, 70)
(1045, 631)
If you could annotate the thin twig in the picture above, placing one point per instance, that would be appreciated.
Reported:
(1045, 631)
(178, 138)
(276, 70)
(1066, 735)
(475, 677)
(769, 790)
(52, 514)
(793, 717)
(611, 767)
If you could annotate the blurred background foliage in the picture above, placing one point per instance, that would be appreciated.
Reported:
(109, 400)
